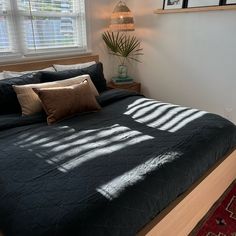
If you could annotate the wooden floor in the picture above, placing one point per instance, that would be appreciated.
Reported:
(187, 213)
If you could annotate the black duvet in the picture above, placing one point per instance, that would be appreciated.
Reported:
(104, 173)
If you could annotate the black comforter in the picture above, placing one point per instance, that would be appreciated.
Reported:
(104, 173)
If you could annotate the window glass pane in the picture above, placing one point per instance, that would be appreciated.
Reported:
(52, 24)
(4, 28)
(47, 5)
(46, 32)
(4, 37)
(2, 5)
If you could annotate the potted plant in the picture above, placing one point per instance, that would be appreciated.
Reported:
(125, 47)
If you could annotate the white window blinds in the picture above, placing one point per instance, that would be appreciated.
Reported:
(43, 25)
(5, 31)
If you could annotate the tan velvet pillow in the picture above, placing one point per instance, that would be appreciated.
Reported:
(29, 100)
(63, 102)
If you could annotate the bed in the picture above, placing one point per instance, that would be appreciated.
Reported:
(138, 166)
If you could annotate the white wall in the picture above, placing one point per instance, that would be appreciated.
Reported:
(190, 58)
(98, 21)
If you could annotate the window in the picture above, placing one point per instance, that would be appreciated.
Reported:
(34, 26)
(5, 44)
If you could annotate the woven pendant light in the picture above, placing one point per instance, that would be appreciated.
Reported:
(122, 18)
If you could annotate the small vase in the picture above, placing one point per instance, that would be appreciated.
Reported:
(122, 71)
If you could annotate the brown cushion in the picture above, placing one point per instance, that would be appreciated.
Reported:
(29, 101)
(64, 102)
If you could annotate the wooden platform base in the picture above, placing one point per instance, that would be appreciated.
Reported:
(188, 212)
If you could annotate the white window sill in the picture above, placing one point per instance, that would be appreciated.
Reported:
(16, 58)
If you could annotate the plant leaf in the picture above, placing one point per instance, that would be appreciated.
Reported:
(122, 45)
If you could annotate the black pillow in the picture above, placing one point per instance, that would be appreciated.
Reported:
(8, 99)
(95, 71)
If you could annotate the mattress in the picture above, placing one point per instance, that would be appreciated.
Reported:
(104, 173)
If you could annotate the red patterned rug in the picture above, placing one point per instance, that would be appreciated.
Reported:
(221, 218)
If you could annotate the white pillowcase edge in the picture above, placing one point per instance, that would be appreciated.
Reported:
(59, 67)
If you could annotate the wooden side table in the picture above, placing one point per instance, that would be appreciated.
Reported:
(134, 86)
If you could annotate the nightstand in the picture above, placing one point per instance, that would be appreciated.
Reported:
(134, 86)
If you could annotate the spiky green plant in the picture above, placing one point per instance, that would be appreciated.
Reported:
(125, 47)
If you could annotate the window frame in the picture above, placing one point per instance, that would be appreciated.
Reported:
(21, 53)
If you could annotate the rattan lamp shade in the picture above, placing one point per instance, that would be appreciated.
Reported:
(122, 18)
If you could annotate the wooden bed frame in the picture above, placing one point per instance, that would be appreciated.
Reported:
(40, 64)
(181, 216)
